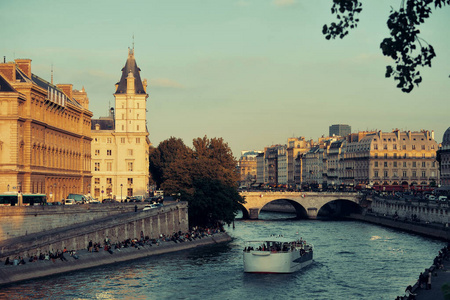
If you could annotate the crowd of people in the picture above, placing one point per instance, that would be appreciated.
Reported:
(425, 278)
(194, 233)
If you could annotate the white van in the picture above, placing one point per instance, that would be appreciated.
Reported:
(442, 198)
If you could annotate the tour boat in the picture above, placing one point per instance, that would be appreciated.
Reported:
(277, 255)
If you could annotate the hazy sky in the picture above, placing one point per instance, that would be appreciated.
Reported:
(254, 72)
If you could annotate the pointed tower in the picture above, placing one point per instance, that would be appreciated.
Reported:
(131, 98)
(121, 144)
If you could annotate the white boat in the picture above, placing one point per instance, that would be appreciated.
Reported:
(277, 255)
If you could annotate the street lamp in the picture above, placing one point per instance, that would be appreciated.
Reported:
(102, 193)
(121, 186)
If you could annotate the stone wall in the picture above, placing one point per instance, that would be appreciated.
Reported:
(164, 220)
(426, 211)
(18, 221)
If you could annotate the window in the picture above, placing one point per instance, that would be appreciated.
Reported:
(376, 155)
(97, 152)
(130, 152)
(404, 164)
(414, 164)
(394, 146)
(108, 140)
(130, 180)
(423, 174)
(385, 146)
(375, 146)
(96, 180)
(376, 164)
(423, 147)
(137, 116)
(395, 155)
(97, 166)
(395, 164)
(108, 180)
(138, 140)
(108, 152)
(109, 166)
(130, 167)
(404, 174)
(137, 105)
(385, 173)
(385, 164)
(423, 164)
(137, 127)
(413, 147)
(403, 147)
(122, 140)
(123, 127)
(433, 164)
(123, 116)
(385, 155)
(414, 174)
(376, 174)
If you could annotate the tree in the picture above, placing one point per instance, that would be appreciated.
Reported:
(162, 156)
(205, 176)
(405, 47)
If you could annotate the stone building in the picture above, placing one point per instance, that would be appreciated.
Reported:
(120, 146)
(248, 168)
(45, 143)
(444, 160)
(392, 158)
(295, 148)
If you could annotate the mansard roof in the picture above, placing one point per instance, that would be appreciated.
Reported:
(5, 86)
(105, 123)
(54, 89)
(130, 66)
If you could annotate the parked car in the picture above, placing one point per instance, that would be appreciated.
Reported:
(431, 197)
(69, 202)
(108, 200)
(442, 198)
(151, 206)
(79, 199)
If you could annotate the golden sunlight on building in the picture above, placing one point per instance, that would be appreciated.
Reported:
(120, 146)
(45, 143)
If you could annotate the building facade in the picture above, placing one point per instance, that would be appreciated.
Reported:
(248, 168)
(340, 130)
(444, 160)
(45, 142)
(120, 146)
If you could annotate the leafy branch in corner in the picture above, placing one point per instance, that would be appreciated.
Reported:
(404, 46)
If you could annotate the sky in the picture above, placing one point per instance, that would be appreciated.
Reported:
(253, 72)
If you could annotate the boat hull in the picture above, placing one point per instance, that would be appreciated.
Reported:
(276, 262)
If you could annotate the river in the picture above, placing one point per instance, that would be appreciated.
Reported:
(352, 260)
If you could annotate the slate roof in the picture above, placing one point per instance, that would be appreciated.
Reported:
(5, 86)
(105, 123)
(130, 65)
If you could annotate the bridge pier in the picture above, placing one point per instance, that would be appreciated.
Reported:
(312, 213)
(253, 213)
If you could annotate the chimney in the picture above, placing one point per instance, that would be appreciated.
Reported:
(67, 89)
(8, 71)
(25, 66)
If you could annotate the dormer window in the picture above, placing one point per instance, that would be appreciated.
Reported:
(97, 126)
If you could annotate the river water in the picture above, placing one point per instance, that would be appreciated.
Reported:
(352, 260)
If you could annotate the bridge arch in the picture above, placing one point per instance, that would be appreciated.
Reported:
(310, 205)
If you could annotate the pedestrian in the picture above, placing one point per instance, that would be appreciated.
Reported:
(429, 280)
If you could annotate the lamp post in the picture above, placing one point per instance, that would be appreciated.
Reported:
(102, 193)
(121, 186)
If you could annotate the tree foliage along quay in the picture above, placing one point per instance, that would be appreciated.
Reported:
(205, 176)
(405, 47)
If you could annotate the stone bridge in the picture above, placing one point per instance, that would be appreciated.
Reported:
(306, 204)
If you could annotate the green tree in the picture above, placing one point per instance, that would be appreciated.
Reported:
(404, 46)
(205, 176)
